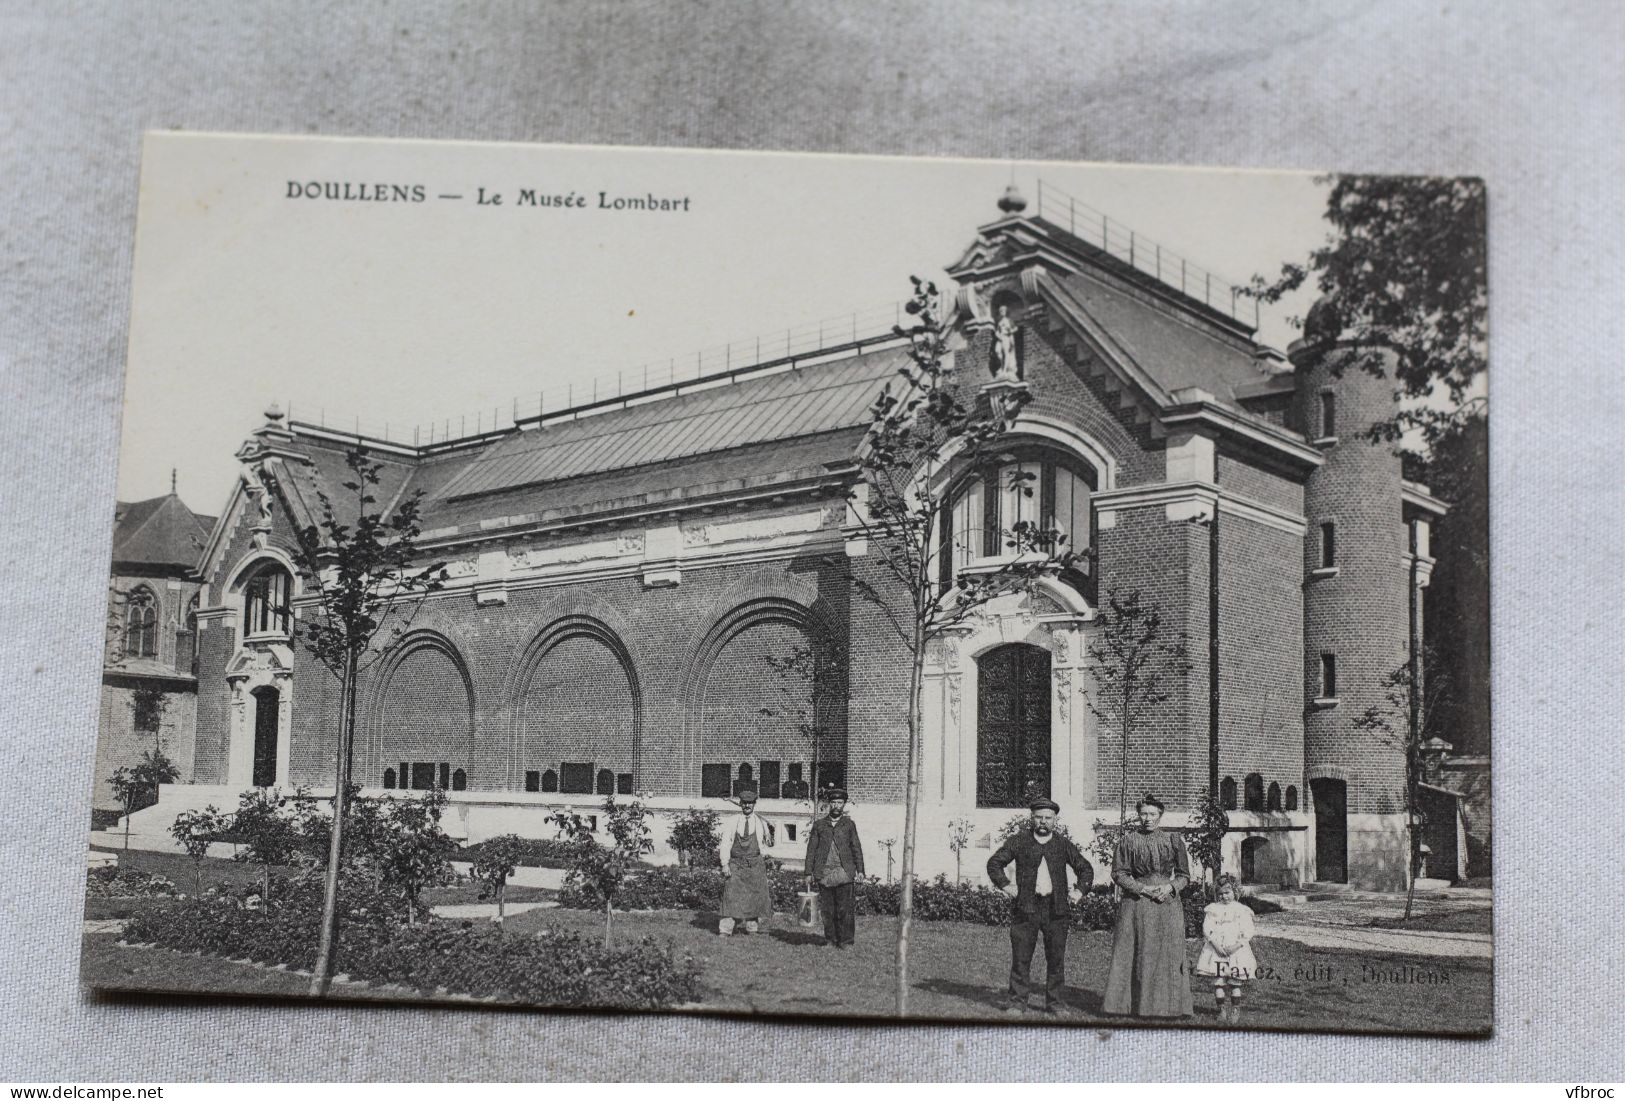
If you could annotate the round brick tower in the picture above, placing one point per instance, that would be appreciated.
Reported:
(1356, 611)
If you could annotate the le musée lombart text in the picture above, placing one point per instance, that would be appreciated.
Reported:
(348, 191)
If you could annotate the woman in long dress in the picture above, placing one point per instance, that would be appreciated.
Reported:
(1150, 974)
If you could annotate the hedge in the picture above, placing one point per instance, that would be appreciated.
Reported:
(937, 899)
(560, 969)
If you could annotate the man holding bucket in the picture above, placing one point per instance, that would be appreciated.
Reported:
(835, 863)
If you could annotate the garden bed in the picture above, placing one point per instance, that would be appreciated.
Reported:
(377, 945)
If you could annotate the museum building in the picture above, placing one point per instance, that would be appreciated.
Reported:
(664, 592)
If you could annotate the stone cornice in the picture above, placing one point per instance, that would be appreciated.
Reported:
(1417, 497)
(1238, 425)
(1194, 501)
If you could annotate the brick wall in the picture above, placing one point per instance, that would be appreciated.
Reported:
(1247, 479)
(1260, 655)
(120, 745)
(424, 714)
(570, 671)
(1166, 563)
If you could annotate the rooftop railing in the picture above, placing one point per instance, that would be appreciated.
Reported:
(781, 349)
(1149, 257)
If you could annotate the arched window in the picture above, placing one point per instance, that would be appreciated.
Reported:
(186, 644)
(265, 601)
(550, 781)
(1272, 800)
(389, 778)
(1291, 797)
(1227, 793)
(1035, 486)
(459, 780)
(1254, 792)
(606, 782)
(141, 624)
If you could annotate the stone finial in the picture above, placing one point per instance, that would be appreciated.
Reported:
(273, 413)
(1012, 201)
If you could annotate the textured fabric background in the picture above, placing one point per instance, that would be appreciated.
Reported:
(1528, 95)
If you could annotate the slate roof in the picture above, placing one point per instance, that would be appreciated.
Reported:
(1176, 353)
(160, 531)
(806, 401)
(778, 428)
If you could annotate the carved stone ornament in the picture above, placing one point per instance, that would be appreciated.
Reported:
(953, 697)
(463, 568)
(1063, 694)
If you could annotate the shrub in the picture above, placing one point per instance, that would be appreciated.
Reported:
(657, 889)
(115, 882)
(696, 835)
(493, 865)
(528, 852)
(268, 834)
(934, 900)
(280, 928)
(564, 969)
(552, 968)
(409, 848)
(1103, 846)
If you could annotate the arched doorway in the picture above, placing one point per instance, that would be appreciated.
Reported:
(266, 705)
(1331, 829)
(1012, 725)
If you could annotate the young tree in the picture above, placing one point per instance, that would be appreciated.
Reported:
(196, 830)
(959, 833)
(1407, 718)
(1204, 837)
(916, 429)
(816, 670)
(267, 832)
(602, 870)
(364, 567)
(1133, 658)
(1404, 270)
(136, 786)
(412, 851)
(496, 861)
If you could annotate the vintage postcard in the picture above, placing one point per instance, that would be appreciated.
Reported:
(656, 580)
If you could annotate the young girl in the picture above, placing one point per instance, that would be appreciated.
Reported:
(1227, 952)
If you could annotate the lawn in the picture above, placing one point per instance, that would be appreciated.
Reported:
(1477, 920)
(958, 972)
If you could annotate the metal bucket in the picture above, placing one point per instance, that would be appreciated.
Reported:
(807, 910)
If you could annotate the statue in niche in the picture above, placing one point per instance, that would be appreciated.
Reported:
(1006, 348)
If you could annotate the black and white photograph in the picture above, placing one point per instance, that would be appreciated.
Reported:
(792, 585)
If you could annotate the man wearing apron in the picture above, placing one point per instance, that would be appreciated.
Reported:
(745, 894)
